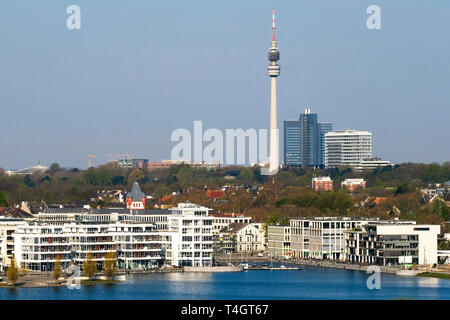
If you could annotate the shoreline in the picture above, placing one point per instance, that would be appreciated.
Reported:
(41, 280)
(333, 264)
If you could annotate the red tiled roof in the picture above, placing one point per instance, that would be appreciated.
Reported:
(378, 200)
(165, 198)
(215, 194)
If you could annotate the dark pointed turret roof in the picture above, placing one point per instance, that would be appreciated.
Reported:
(136, 193)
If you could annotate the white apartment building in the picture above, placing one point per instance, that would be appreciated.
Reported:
(7, 228)
(137, 246)
(279, 241)
(392, 244)
(191, 229)
(181, 237)
(347, 148)
(105, 215)
(321, 237)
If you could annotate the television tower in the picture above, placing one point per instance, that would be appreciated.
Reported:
(273, 70)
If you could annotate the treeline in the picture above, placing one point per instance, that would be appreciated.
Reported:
(287, 194)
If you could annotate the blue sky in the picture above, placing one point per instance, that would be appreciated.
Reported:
(137, 70)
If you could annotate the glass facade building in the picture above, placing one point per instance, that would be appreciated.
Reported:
(304, 140)
(292, 143)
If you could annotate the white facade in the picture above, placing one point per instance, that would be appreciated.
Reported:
(393, 243)
(347, 148)
(137, 246)
(321, 237)
(180, 238)
(250, 238)
(191, 228)
(373, 163)
(7, 228)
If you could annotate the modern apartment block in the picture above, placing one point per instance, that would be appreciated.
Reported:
(191, 228)
(321, 237)
(279, 241)
(137, 246)
(392, 244)
(347, 148)
(180, 237)
(304, 141)
(104, 215)
(7, 228)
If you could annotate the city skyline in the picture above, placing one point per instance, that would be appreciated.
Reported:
(123, 86)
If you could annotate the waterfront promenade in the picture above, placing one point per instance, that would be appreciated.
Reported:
(238, 258)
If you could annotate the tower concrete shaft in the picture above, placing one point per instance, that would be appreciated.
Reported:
(273, 70)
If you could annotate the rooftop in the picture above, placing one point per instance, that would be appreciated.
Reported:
(136, 192)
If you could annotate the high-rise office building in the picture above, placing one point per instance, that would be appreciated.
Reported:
(304, 140)
(347, 148)
(292, 143)
(310, 139)
(324, 128)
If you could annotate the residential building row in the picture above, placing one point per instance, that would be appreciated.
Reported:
(183, 236)
(356, 240)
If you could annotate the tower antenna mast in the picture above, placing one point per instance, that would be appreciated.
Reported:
(273, 25)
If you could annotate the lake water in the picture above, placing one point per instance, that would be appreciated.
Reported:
(307, 283)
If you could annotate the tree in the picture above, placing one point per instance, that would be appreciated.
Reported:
(57, 268)
(89, 266)
(13, 271)
(160, 192)
(440, 208)
(28, 181)
(54, 167)
(429, 218)
(136, 175)
(3, 202)
(275, 219)
(445, 245)
(110, 264)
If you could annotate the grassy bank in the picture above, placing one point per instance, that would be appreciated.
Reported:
(434, 275)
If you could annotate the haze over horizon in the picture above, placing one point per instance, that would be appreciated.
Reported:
(138, 70)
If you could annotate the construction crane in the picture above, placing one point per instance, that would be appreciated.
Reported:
(90, 157)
